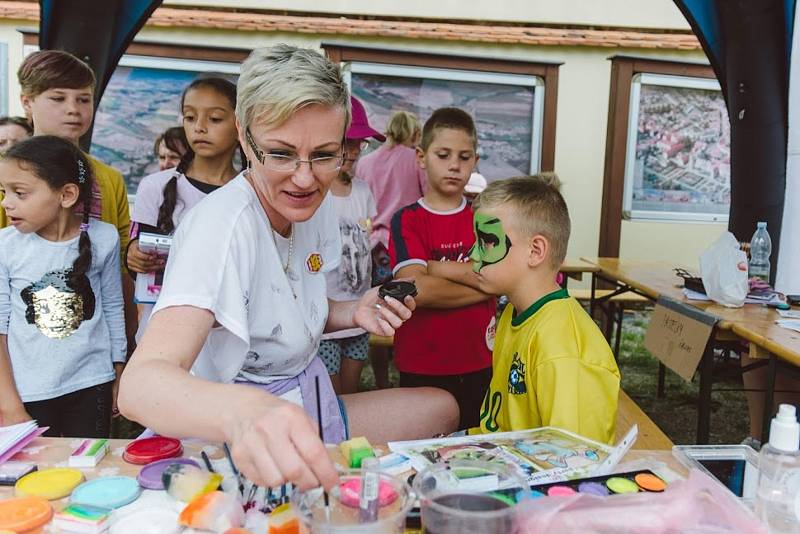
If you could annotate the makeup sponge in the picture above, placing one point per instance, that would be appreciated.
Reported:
(355, 450)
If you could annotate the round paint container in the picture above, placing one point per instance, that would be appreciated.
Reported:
(24, 514)
(560, 491)
(49, 484)
(150, 475)
(107, 492)
(593, 488)
(649, 482)
(158, 520)
(398, 289)
(148, 450)
(622, 485)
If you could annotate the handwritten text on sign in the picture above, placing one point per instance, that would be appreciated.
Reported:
(678, 335)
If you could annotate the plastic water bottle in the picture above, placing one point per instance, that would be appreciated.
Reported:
(760, 250)
(778, 497)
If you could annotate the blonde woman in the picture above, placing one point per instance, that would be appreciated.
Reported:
(243, 304)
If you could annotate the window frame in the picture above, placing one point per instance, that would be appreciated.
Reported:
(345, 53)
(623, 68)
(664, 80)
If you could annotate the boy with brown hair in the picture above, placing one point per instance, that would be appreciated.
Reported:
(447, 343)
(58, 98)
(551, 364)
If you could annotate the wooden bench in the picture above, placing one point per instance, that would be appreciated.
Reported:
(611, 321)
(627, 298)
(650, 436)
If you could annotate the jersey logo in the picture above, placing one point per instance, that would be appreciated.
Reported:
(314, 262)
(516, 377)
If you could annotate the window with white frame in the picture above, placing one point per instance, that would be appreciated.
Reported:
(677, 162)
(507, 108)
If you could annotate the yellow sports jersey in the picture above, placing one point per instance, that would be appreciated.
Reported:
(551, 366)
(113, 203)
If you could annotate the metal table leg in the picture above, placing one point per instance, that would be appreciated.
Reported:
(769, 398)
(704, 396)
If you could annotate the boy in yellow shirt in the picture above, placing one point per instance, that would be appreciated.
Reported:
(551, 365)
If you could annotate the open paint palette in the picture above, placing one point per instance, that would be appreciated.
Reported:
(601, 486)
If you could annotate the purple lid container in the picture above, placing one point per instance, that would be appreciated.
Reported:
(150, 475)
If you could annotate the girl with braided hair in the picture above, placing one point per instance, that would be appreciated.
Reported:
(62, 326)
(208, 109)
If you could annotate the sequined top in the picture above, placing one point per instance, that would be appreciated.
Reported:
(60, 339)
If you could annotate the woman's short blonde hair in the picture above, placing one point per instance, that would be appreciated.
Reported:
(402, 127)
(277, 81)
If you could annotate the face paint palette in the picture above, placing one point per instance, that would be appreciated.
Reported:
(147, 450)
(602, 486)
(398, 289)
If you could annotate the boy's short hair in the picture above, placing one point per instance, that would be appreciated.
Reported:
(48, 69)
(550, 178)
(538, 208)
(451, 118)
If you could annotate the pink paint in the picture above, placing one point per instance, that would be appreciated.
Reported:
(560, 491)
(350, 492)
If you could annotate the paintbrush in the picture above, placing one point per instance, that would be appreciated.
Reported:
(233, 468)
(206, 461)
(322, 439)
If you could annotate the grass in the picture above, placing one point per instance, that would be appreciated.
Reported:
(675, 414)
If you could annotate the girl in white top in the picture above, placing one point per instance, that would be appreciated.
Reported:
(244, 305)
(162, 199)
(344, 352)
(62, 329)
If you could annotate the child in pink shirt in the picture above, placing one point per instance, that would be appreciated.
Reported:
(393, 174)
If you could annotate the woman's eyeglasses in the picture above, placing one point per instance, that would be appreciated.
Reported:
(287, 163)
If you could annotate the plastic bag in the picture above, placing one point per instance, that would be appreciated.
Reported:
(697, 505)
(723, 268)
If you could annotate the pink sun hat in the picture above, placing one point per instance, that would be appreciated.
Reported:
(359, 125)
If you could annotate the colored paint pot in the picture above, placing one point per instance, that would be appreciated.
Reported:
(148, 450)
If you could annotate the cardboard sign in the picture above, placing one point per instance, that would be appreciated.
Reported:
(678, 335)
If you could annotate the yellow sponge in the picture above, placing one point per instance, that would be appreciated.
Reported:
(355, 450)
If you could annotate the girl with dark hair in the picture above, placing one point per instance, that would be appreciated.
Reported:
(208, 106)
(170, 147)
(62, 327)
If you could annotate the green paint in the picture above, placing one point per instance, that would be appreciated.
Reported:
(622, 485)
(491, 242)
(96, 447)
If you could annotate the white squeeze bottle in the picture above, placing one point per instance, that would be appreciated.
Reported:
(778, 498)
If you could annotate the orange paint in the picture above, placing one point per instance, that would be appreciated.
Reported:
(283, 520)
(26, 514)
(650, 482)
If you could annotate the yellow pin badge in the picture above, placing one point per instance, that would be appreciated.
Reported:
(314, 262)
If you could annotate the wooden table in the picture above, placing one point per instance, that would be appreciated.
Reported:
(752, 323)
(574, 268)
(52, 452)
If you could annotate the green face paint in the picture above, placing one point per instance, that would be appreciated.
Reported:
(491, 242)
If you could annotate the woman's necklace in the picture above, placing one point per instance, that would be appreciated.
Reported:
(291, 247)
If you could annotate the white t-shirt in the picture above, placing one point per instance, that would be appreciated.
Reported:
(353, 278)
(224, 259)
(149, 197)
